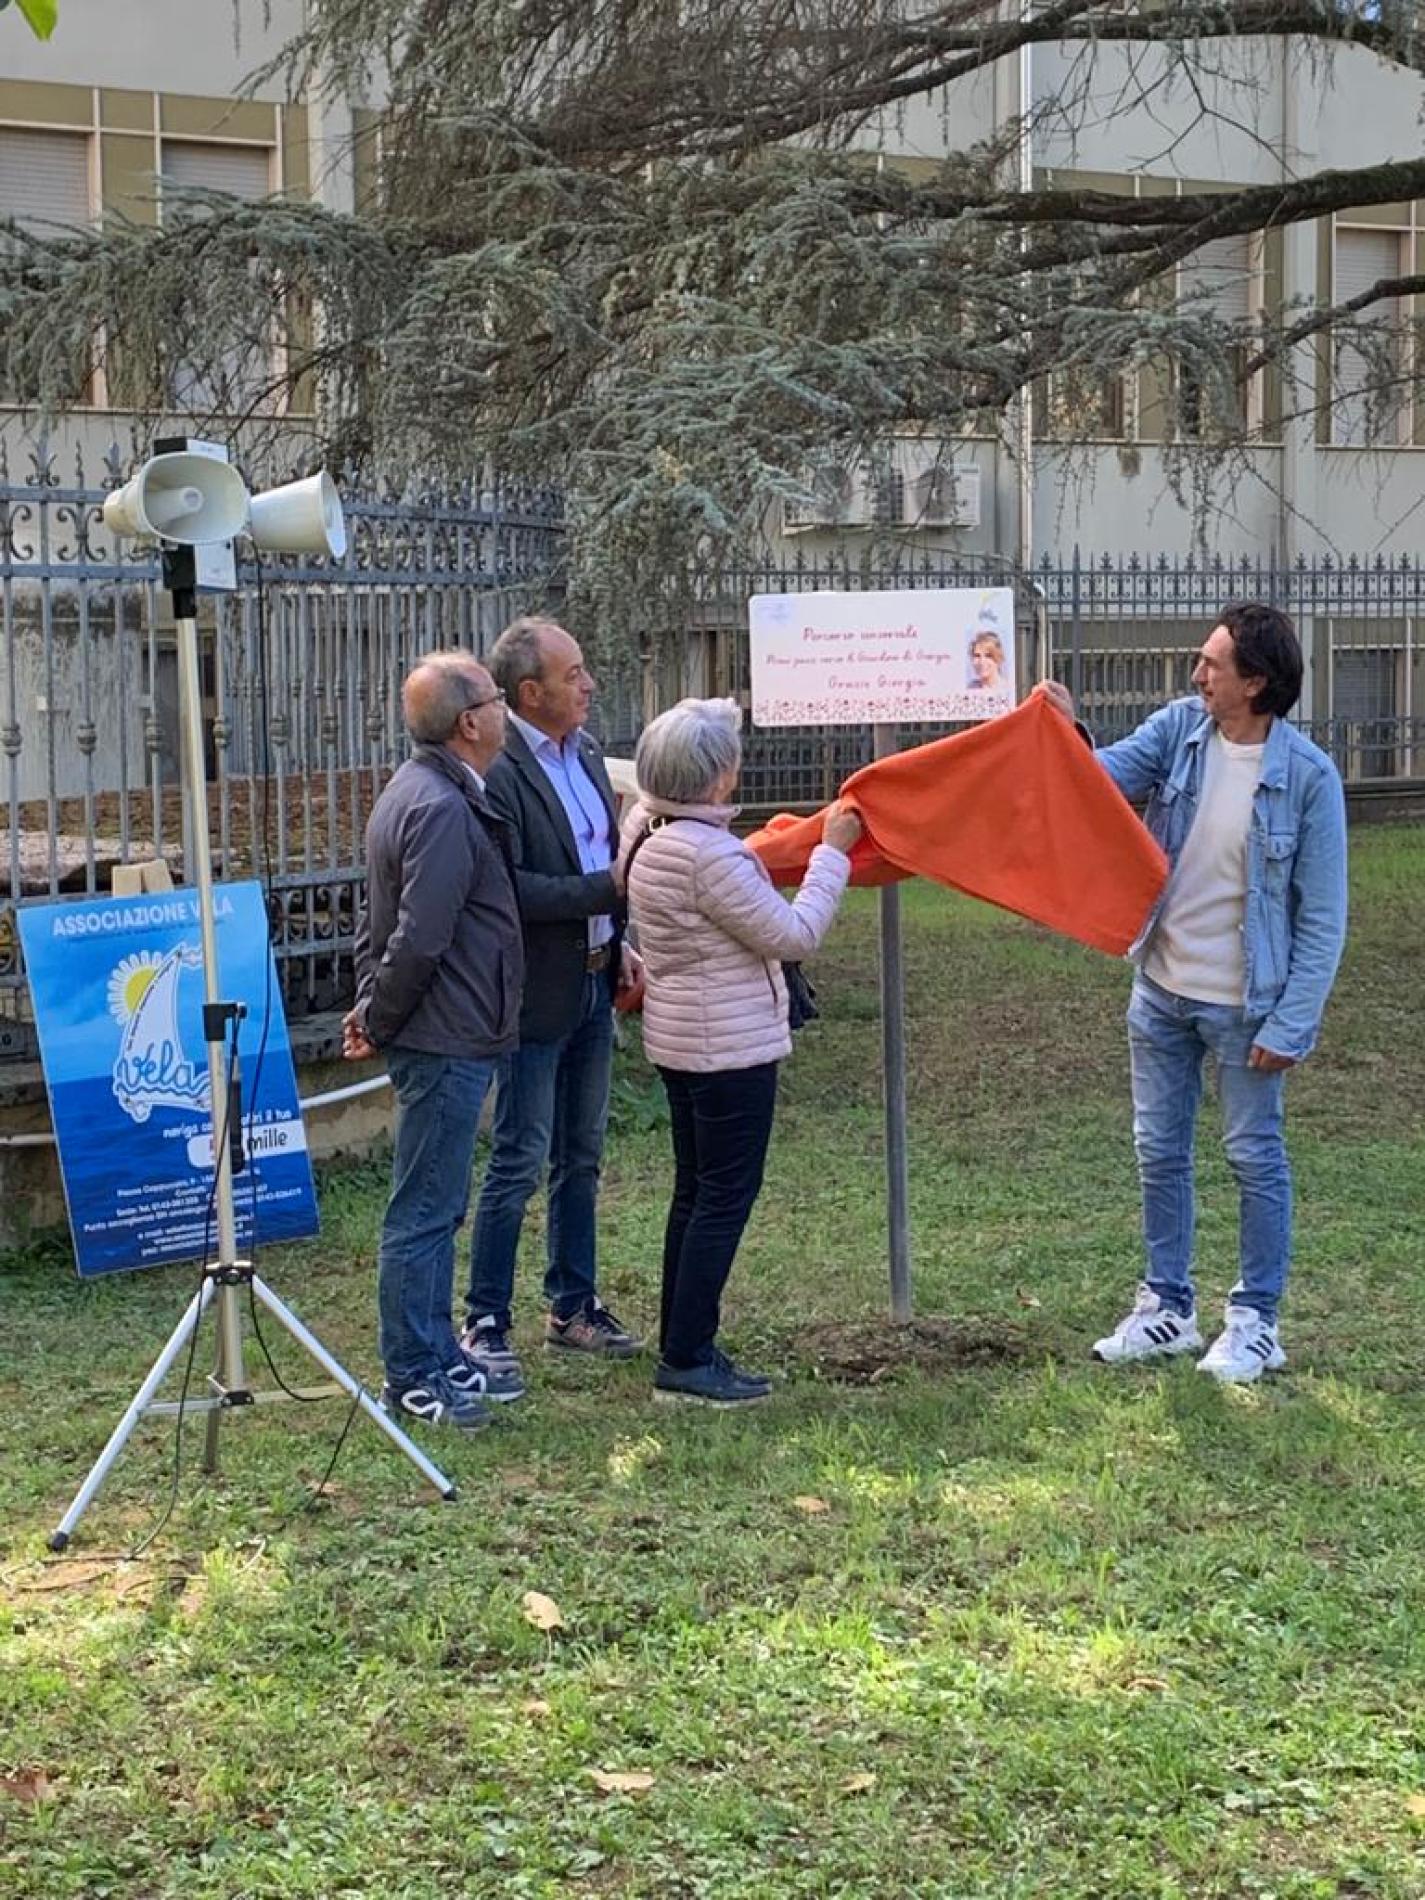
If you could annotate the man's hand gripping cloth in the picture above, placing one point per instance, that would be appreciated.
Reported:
(1016, 811)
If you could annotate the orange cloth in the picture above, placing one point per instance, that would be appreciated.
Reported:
(1015, 811)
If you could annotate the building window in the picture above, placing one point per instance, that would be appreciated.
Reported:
(242, 378)
(44, 179)
(242, 171)
(1221, 281)
(1083, 405)
(45, 189)
(1364, 707)
(1370, 404)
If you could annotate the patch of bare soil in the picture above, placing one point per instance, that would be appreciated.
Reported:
(858, 1352)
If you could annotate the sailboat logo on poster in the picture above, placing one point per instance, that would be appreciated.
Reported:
(153, 1069)
(119, 988)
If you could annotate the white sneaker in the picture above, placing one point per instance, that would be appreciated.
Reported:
(1151, 1331)
(1245, 1349)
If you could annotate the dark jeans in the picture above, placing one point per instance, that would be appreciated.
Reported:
(551, 1104)
(438, 1102)
(721, 1126)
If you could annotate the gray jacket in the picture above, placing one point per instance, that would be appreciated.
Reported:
(439, 957)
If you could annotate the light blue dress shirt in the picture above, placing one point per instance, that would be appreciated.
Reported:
(587, 814)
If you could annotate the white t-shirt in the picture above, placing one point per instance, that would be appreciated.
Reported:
(1196, 948)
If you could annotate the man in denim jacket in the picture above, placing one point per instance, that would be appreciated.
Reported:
(1238, 959)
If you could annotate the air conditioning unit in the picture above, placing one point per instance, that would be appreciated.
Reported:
(943, 496)
(835, 492)
(886, 497)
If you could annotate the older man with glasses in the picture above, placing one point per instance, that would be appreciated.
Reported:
(439, 962)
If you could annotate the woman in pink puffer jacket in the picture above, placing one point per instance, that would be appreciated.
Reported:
(713, 932)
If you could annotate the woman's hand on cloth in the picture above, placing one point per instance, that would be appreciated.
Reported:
(842, 829)
(1058, 696)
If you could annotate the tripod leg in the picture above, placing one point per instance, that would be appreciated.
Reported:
(228, 1374)
(352, 1387)
(210, 1442)
(142, 1399)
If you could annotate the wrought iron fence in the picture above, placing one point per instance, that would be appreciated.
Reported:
(1121, 632)
(303, 666)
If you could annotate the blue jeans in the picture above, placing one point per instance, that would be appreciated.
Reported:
(551, 1104)
(1168, 1036)
(438, 1103)
(722, 1123)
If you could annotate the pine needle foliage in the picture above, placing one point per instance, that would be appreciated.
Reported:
(647, 250)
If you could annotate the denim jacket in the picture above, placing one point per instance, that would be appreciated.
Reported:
(1294, 918)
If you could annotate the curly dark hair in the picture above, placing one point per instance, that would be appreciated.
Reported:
(1267, 648)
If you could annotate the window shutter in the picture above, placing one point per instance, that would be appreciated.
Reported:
(1221, 272)
(44, 179)
(1363, 258)
(239, 170)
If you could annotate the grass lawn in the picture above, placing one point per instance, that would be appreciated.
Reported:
(953, 1616)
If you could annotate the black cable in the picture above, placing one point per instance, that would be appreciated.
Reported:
(318, 1491)
(265, 878)
(219, 1143)
(261, 753)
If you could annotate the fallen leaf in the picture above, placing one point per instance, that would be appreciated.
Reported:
(535, 1706)
(542, 1611)
(814, 1507)
(859, 1784)
(615, 1781)
(66, 1576)
(31, 1785)
(1026, 1299)
(1415, 1804)
(1146, 1682)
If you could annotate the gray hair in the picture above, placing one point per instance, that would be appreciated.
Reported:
(438, 688)
(684, 751)
(518, 655)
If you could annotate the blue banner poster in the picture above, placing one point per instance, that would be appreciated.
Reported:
(117, 984)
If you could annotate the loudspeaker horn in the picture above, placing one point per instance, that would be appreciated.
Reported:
(300, 518)
(187, 498)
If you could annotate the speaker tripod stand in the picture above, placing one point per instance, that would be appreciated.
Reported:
(229, 1278)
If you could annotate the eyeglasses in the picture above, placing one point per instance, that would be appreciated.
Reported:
(496, 698)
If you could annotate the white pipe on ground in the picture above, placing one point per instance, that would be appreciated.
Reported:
(326, 1100)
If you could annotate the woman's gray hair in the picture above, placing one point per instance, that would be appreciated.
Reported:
(684, 752)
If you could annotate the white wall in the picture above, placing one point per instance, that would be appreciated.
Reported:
(184, 46)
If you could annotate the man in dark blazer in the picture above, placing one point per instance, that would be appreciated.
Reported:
(552, 1093)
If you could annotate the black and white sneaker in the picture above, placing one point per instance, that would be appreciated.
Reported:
(486, 1350)
(1246, 1347)
(500, 1384)
(435, 1401)
(1150, 1331)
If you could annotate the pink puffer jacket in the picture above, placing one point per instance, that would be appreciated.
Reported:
(713, 931)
